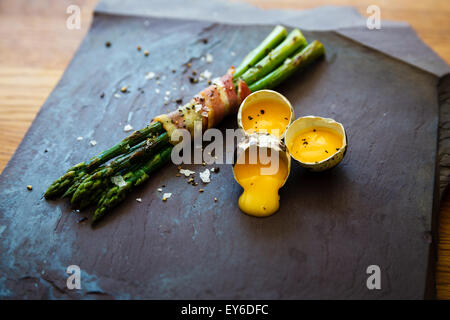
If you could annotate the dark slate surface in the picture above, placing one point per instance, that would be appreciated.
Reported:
(395, 39)
(375, 208)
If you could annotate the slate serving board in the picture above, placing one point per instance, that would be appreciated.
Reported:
(375, 208)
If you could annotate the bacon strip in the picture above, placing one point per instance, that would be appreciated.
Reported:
(243, 92)
(210, 106)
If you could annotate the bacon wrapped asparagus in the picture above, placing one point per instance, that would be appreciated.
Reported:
(106, 184)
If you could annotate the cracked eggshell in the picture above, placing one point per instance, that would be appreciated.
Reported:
(310, 122)
(262, 95)
(262, 140)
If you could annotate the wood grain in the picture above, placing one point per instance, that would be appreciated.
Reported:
(36, 46)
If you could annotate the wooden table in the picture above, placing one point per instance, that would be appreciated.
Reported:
(36, 46)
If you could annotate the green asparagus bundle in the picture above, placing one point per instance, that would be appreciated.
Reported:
(101, 177)
(111, 197)
(59, 186)
(145, 151)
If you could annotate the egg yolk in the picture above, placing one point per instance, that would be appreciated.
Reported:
(260, 197)
(315, 145)
(266, 116)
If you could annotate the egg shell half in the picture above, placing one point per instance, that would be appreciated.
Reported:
(262, 95)
(263, 140)
(311, 122)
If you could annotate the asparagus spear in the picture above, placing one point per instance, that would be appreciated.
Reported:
(124, 145)
(62, 184)
(271, 41)
(116, 194)
(294, 41)
(291, 65)
(99, 179)
(69, 193)
(95, 195)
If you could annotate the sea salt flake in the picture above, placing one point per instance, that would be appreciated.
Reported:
(159, 189)
(207, 74)
(118, 181)
(205, 176)
(167, 93)
(127, 128)
(93, 142)
(117, 96)
(186, 172)
(167, 195)
(138, 199)
(80, 138)
(157, 90)
(197, 107)
(209, 58)
(150, 75)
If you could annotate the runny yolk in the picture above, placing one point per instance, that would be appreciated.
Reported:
(315, 145)
(266, 116)
(260, 197)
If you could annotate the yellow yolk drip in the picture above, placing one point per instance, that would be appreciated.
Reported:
(266, 116)
(260, 197)
(315, 145)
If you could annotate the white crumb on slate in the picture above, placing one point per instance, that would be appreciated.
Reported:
(209, 58)
(118, 181)
(167, 93)
(127, 128)
(150, 75)
(157, 90)
(167, 195)
(80, 138)
(186, 172)
(159, 189)
(93, 142)
(206, 74)
(117, 96)
(138, 199)
(205, 176)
